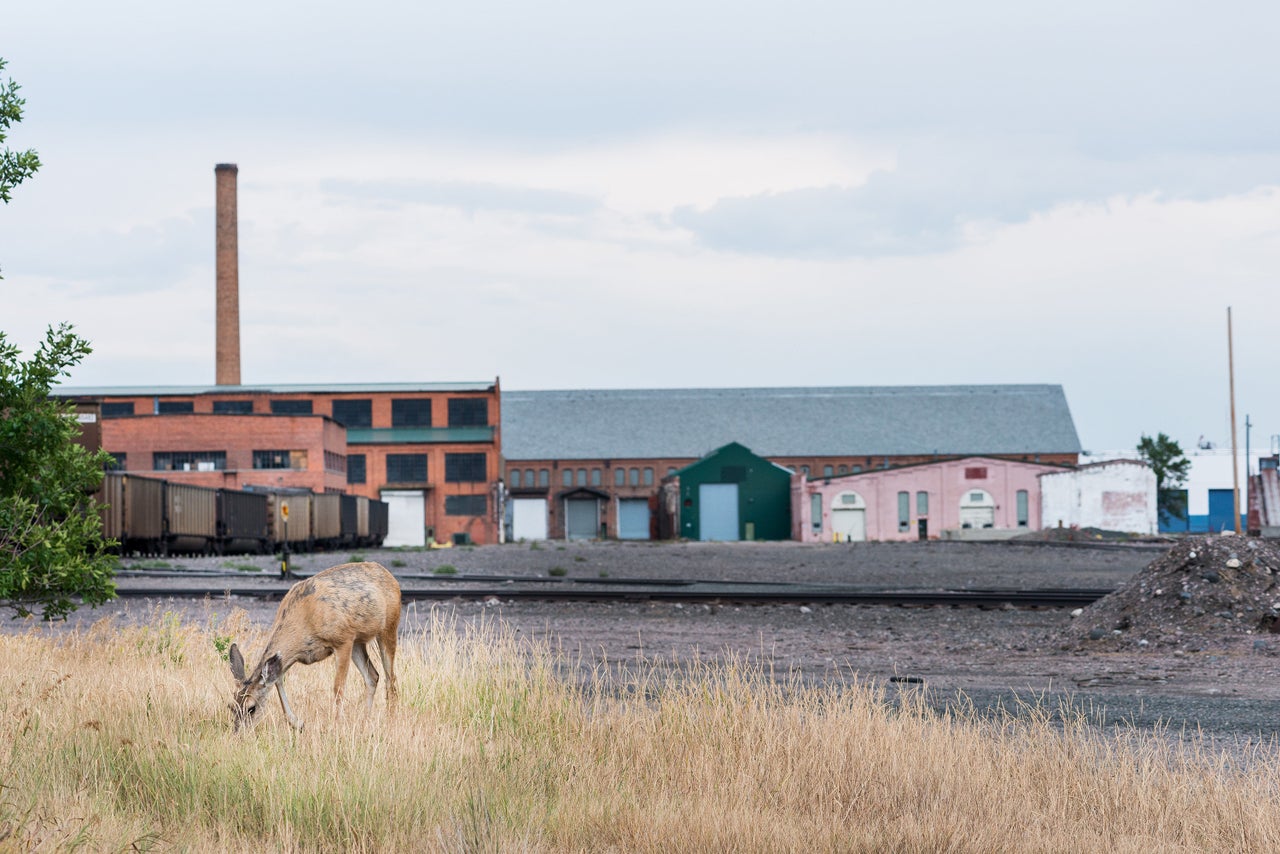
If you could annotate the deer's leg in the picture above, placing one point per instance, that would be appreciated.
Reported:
(387, 651)
(342, 660)
(360, 655)
(284, 704)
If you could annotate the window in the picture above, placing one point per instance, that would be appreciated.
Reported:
(635, 477)
(233, 407)
(671, 470)
(977, 497)
(619, 477)
(290, 407)
(529, 477)
(117, 409)
(582, 477)
(355, 468)
(1023, 508)
(189, 461)
(595, 477)
(922, 504)
(280, 459)
(513, 479)
(406, 468)
(464, 468)
(118, 462)
(353, 413)
(333, 461)
(904, 511)
(815, 512)
(827, 471)
(411, 412)
(843, 469)
(466, 505)
(175, 407)
(804, 470)
(648, 477)
(566, 477)
(544, 478)
(468, 412)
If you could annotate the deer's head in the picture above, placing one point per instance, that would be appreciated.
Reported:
(251, 691)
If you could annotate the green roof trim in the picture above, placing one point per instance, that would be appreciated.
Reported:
(411, 435)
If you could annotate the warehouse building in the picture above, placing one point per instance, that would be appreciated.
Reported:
(590, 463)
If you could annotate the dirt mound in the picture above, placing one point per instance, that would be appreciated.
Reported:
(1083, 535)
(1206, 593)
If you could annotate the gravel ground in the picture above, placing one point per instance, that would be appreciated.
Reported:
(1227, 690)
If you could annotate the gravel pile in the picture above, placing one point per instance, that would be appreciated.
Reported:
(1205, 594)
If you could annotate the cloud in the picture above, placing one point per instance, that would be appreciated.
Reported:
(469, 196)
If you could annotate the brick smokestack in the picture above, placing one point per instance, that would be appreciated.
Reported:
(227, 264)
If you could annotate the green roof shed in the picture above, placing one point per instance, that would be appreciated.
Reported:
(733, 494)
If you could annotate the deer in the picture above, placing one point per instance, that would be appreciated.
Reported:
(334, 612)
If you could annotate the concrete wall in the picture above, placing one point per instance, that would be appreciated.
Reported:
(946, 484)
(1118, 495)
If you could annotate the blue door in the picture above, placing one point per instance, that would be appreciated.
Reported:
(718, 511)
(1221, 510)
(633, 519)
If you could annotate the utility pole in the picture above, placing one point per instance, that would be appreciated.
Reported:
(1235, 462)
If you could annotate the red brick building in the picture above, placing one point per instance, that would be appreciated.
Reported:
(430, 450)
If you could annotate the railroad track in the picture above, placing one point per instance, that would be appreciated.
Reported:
(512, 588)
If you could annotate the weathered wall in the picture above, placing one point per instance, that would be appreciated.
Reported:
(1119, 495)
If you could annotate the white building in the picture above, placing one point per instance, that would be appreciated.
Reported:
(1112, 495)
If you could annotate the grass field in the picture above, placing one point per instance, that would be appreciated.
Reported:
(120, 739)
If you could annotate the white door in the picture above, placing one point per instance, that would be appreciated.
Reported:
(848, 518)
(406, 517)
(633, 519)
(529, 518)
(582, 518)
(718, 512)
(977, 509)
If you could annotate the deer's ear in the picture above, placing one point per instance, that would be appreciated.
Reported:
(237, 662)
(271, 669)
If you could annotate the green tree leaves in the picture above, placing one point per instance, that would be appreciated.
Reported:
(1171, 466)
(15, 166)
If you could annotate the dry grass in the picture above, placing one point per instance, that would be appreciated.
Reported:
(119, 738)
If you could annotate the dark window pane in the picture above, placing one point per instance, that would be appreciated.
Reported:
(189, 460)
(468, 412)
(513, 479)
(353, 413)
(410, 413)
(271, 459)
(117, 409)
(406, 468)
(290, 407)
(466, 505)
(175, 407)
(464, 468)
(355, 468)
(118, 462)
(233, 407)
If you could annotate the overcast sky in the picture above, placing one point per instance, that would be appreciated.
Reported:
(665, 194)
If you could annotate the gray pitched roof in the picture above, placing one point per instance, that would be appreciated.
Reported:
(780, 422)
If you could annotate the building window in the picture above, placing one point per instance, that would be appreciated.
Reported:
(464, 468)
(117, 409)
(529, 477)
(595, 477)
(922, 504)
(827, 471)
(804, 470)
(353, 413)
(233, 407)
(619, 477)
(175, 407)
(189, 461)
(411, 412)
(290, 407)
(466, 505)
(671, 470)
(843, 470)
(648, 477)
(566, 477)
(333, 461)
(582, 477)
(544, 478)
(513, 479)
(904, 511)
(468, 412)
(355, 468)
(118, 462)
(634, 477)
(280, 459)
(815, 513)
(406, 468)
(1024, 508)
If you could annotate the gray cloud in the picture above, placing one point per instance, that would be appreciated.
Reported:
(465, 195)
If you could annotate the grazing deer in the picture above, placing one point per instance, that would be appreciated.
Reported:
(337, 611)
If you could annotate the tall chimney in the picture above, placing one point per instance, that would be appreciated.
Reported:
(227, 264)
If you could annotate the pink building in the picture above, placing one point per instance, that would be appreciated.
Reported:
(972, 496)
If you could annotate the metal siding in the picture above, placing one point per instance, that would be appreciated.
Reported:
(326, 518)
(633, 519)
(582, 518)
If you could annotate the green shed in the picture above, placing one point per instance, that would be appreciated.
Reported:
(732, 494)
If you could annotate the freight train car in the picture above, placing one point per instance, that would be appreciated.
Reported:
(132, 512)
(242, 522)
(190, 519)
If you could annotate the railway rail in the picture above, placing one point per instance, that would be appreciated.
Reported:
(199, 584)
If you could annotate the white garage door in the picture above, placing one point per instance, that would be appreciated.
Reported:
(529, 518)
(977, 509)
(718, 512)
(849, 518)
(406, 517)
(633, 519)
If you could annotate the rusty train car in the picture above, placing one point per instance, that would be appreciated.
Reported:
(158, 517)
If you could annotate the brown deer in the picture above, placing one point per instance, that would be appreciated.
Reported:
(337, 611)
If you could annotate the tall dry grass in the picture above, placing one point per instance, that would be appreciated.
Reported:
(119, 738)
